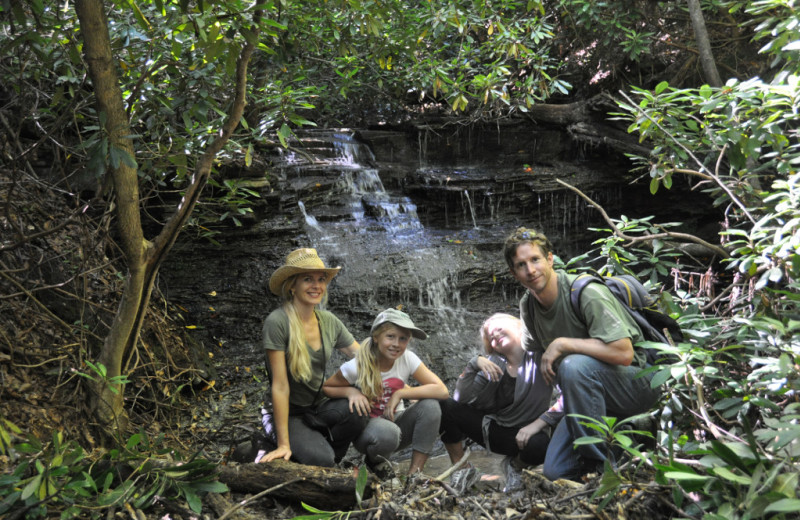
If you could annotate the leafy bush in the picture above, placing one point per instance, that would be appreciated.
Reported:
(59, 476)
(731, 438)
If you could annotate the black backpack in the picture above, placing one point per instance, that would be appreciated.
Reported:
(640, 304)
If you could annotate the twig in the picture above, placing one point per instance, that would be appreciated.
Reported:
(437, 493)
(485, 512)
(455, 466)
(716, 178)
(44, 308)
(667, 234)
(701, 406)
(256, 497)
(675, 508)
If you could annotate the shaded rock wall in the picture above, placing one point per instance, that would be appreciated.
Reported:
(416, 218)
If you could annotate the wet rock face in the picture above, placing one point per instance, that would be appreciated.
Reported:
(416, 220)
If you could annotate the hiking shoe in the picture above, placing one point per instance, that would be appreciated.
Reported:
(513, 476)
(463, 479)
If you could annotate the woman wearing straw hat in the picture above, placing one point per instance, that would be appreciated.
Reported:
(299, 339)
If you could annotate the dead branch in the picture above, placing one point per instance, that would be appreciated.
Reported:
(647, 238)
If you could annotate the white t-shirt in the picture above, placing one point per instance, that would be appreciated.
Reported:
(393, 379)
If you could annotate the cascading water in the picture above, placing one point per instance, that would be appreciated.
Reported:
(468, 200)
(310, 220)
(389, 258)
(445, 269)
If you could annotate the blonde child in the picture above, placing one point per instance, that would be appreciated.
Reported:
(375, 383)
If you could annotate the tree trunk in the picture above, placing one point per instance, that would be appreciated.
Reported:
(106, 403)
(704, 45)
(323, 488)
(143, 257)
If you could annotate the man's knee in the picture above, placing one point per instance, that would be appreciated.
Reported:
(574, 367)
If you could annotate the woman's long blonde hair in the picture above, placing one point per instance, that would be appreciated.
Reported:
(369, 373)
(297, 357)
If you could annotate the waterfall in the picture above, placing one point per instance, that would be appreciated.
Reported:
(310, 220)
(388, 258)
(441, 263)
(471, 209)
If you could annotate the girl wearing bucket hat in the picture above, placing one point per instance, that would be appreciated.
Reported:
(299, 338)
(375, 384)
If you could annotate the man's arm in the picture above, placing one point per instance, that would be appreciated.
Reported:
(619, 352)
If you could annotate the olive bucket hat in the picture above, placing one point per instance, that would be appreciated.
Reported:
(299, 261)
(399, 318)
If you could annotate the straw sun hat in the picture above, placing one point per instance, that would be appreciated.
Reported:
(299, 261)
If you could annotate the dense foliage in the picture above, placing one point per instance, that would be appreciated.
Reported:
(731, 418)
(730, 437)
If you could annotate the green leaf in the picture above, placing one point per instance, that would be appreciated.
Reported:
(785, 505)
(134, 441)
(283, 135)
(587, 440)
(609, 482)
(32, 486)
(654, 182)
(195, 504)
(661, 377)
(361, 483)
(211, 487)
(685, 476)
(731, 476)
(786, 484)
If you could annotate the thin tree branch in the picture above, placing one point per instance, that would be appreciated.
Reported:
(648, 238)
(256, 497)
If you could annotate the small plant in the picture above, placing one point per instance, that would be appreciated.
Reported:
(623, 441)
(101, 374)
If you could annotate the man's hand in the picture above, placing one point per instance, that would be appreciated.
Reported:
(549, 362)
(619, 352)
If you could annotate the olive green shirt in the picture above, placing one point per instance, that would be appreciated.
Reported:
(606, 319)
(333, 334)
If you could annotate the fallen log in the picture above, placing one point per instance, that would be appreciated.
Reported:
(324, 488)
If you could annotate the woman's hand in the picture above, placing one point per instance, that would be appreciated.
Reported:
(359, 403)
(492, 371)
(525, 434)
(281, 452)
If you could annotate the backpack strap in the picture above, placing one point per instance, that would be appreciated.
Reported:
(576, 288)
